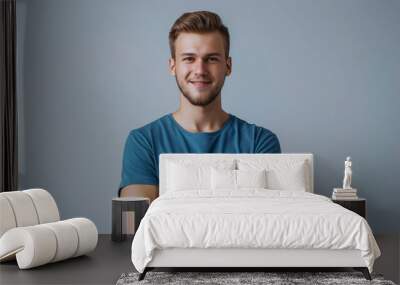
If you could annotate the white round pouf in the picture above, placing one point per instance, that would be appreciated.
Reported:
(31, 233)
(33, 246)
(87, 233)
(67, 240)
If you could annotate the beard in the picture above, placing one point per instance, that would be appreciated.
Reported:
(203, 100)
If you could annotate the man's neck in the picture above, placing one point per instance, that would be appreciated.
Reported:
(192, 118)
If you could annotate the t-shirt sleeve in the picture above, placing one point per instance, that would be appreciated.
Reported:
(266, 142)
(138, 164)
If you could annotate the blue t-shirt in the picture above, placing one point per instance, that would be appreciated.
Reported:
(165, 135)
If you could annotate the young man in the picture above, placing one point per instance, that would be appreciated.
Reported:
(200, 61)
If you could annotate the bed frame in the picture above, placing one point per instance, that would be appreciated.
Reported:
(242, 259)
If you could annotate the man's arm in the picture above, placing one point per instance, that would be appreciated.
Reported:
(266, 141)
(139, 173)
(141, 190)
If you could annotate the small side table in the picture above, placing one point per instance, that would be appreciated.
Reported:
(358, 206)
(122, 204)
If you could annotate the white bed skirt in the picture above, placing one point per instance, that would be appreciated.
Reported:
(193, 257)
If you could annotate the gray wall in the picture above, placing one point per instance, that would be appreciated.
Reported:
(323, 75)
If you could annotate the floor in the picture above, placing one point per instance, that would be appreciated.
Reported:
(111, 259)
(389, 262)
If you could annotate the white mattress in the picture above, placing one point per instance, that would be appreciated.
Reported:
(250, 218)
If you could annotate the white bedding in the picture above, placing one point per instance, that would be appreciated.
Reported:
(250, 218)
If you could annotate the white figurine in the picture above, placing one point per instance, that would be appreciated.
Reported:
(347, 174)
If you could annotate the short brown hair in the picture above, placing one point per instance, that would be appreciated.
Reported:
(198, 22)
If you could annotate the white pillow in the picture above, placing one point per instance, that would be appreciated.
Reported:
(281, 175)
(251, 178)
(186, 175)
(236, 179)
(223, 179)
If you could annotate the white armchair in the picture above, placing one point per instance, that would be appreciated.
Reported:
(31, 230)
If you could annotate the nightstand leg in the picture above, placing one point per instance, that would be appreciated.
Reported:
(140, 211)
(116, 233)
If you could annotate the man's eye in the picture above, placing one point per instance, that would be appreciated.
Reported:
(188, 59)
(213, 59)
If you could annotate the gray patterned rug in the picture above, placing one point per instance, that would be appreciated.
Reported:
(231, 278)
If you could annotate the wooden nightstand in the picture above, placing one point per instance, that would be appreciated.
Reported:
(358, 206)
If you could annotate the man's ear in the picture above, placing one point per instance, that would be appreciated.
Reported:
(228, 66)
(172, 66)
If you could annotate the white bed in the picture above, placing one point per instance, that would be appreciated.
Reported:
(201, 221)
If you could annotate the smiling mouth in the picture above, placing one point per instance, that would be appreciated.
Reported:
(200, 83)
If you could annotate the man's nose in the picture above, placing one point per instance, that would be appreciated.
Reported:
(200, 67)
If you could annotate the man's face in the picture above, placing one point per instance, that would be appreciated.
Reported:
(200, 66)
